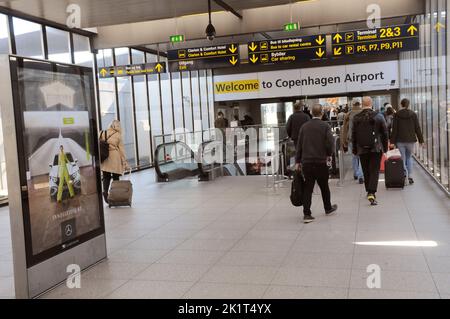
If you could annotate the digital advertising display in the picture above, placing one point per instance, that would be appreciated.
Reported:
(57, 144)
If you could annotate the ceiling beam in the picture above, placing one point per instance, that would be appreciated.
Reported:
(228, 8)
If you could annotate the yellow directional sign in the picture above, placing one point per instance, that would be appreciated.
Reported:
(233, 60)
(207, 57)
(287, 50)
(337, 51)
(377, 41)
(320, 53)
(253, 47)
(412, 30)
(159, 67)
(438, 26)
(337, 38)
(132, 70)
(320, 40)
(253, 58)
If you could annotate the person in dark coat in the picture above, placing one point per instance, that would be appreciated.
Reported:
(295, 122)
(314, 150)
(370, 141)
(405, 133)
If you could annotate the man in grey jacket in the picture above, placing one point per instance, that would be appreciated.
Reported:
(314, 149)
(370, 141)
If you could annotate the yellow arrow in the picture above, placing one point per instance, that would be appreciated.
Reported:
(159, 67)
(253, 47)
(233, 60)
(439, 26)
(254, 58)
(320, 40)
(103, 72)
(337, 51)
(337, 38)
(320, 53)
(233, 48)
(412, 29)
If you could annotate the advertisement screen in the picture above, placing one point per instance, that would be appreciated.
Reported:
(57, 141)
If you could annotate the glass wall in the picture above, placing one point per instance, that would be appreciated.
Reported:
(424, 75)
(58, 43)
(151, 107)
(4, 37)
(28, 38)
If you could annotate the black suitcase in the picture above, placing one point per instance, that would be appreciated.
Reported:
(394, 173)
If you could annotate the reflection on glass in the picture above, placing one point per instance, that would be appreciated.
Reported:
(187, 101)
(126, 118)
(82, 50)
(142, 124)
(166, 97)
(107, 101)
(58, 45)
(4, 34)
(28, 36)
(177, 101)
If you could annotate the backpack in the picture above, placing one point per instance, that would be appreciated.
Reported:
(366, 136)
(104, 146)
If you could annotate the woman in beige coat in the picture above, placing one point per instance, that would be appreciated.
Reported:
(116, 163)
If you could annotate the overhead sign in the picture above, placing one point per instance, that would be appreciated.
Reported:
(363, 77)
(287, 50)
(131, 70)
(291, 26)
(376, 41)
(211, 57)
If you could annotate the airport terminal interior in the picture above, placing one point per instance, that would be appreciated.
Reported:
(192, 99)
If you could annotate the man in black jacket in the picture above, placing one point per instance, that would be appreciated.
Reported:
(314, 149)
(370, 141)
(405, 133)
(295, 122)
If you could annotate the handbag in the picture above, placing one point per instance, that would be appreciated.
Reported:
(297, 189)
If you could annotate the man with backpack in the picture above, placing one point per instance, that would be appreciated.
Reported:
(370, 141)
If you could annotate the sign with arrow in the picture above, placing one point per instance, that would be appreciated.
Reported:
(131, 70)
(287, 50)
(375, 41)
(211, 57)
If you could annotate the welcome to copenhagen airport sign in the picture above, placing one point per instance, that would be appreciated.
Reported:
(311, 81)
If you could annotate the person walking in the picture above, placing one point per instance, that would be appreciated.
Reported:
(346, 137)
(370, 141)
(116, 163)
(405, 133)
(314, 150)
(389, 117)
(295, 122)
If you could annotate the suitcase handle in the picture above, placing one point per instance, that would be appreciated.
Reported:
(129, 175)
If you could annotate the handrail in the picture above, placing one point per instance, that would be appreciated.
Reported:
(157, 163)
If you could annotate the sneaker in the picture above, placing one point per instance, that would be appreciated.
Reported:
(332, 210)
(361, 180)
(308, 219)
(372, 199)
(411, 181)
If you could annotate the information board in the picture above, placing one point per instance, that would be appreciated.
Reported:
(210, 57)
(130, 70)
(376, 41)
(287, 50)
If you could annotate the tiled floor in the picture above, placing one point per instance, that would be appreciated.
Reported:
(233, 238)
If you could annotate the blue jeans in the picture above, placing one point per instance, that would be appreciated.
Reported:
(356, 164)
(406, 149)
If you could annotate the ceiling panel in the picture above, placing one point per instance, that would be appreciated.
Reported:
(96, 13)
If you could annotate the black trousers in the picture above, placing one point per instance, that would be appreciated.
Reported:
(107, 177)
(315, 172)
(370, 164)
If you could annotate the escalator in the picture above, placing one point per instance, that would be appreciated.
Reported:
(174, 161)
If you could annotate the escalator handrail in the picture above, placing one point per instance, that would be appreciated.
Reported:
(161, 146)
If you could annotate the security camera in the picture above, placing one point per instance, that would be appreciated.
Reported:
(210, 32)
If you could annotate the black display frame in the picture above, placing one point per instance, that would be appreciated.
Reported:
(17, 62)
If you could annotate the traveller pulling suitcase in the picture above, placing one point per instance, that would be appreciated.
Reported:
(394, 173)
(120, 193)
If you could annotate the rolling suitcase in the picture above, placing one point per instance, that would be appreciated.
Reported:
(394, 173)
(120, 193)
